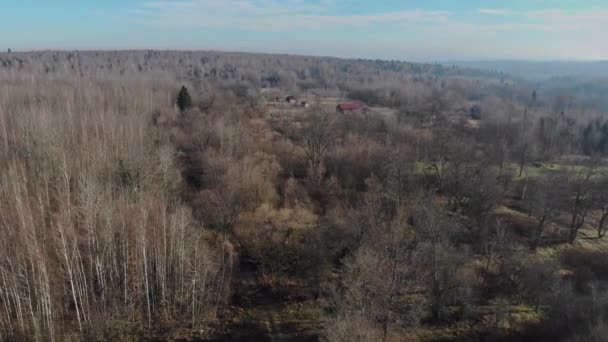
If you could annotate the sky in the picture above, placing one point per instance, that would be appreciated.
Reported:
(429, 30)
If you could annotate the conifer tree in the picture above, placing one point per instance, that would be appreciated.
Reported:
(183, 99)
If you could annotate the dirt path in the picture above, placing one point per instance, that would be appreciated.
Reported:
(263, 313)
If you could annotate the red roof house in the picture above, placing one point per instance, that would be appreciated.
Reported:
(350, 107)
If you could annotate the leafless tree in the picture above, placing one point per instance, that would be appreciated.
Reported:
(599, 200)
(317, 137)
(381, 284)
(545, 201)
(437, 257)
(578, 198)
(493, 249)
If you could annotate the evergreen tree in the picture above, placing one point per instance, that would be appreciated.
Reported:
(183, 99)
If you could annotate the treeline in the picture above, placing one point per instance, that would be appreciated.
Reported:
(214, 64)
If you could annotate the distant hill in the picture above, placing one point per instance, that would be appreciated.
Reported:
(585, 82)
(543, 70)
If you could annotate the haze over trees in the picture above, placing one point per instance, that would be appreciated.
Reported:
(176, 195)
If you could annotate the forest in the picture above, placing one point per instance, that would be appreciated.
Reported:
(215, 196)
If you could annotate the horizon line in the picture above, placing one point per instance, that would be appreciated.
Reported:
(296, 54)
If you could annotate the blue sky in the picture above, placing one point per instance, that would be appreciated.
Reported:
(430, 30)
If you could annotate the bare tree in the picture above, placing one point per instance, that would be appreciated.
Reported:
(493, 250)
(437, 258)
(317, 137)
(545, 201)
(578, 199)
(599, 202)
(381, 284)
(436, 106)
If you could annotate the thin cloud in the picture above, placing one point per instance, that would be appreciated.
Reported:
(250, 7)
(265, 15)
(549, 20)
(592, 22)
(564, 33)
(494, 11)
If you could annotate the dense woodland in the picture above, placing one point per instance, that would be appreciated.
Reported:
(158, 195)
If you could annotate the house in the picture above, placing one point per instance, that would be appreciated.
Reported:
(305, 104)
(291, 99)
(351, 107)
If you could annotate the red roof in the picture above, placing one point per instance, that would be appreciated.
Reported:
(351, 106)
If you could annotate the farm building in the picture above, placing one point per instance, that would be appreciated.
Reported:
(351, 107)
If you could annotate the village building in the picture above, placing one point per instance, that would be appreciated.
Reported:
(351, 107)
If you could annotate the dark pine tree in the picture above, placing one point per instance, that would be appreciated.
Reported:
(183, 99)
